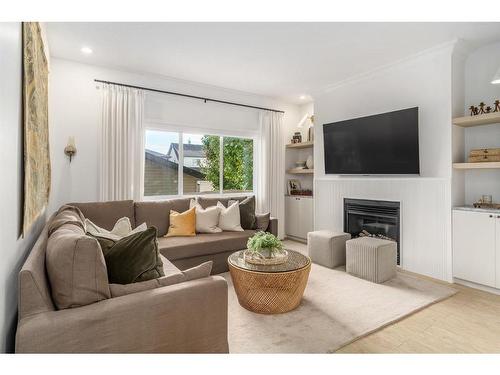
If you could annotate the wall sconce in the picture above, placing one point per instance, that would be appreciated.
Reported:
(496, 78)
(70, 149)
(306, 118)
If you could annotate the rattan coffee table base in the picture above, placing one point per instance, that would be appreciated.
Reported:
(269, 293)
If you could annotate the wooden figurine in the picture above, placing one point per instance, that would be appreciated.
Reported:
(473, 110)
(497, 106)
(481, 108)
(488, 109)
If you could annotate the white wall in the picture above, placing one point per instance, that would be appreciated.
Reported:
(14, 248)
(423, 80)
(75, 107)
(480, 67)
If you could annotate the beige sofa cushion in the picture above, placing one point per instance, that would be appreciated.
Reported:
(208, 201)
(75, 263)
(106, 214)
(157, 214)
(175, 248)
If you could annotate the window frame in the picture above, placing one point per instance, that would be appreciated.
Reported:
(181, 131)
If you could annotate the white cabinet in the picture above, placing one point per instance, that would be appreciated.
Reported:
(476, 247)
(298, 216)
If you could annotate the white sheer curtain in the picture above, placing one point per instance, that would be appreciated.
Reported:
(271, 172)
(121, 143)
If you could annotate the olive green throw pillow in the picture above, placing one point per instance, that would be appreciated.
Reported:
(247, 212)
(133, 258)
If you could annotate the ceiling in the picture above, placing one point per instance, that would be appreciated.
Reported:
(283, 60)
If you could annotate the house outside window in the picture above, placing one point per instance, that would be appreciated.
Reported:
(206, 164)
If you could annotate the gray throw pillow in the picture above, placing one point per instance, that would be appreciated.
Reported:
(247, 212)
(262, 221)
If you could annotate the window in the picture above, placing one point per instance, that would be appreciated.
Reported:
(161, 163)
(210, 164)
(238, 164)
(201, 164)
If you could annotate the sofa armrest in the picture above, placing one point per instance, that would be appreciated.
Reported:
(189, 317)
(273, 226)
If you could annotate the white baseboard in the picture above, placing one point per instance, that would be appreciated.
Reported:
(293, 238)
(470, 284)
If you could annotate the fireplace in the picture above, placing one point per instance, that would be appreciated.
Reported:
(364, 217)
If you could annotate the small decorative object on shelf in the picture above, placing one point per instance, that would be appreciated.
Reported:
(297, 137)
(486, 201)
(305, 192)
(300, 164)
(310, 162)
(293, 185)
(473, 110)
(481, 108)
(484, 155)
(265, 249)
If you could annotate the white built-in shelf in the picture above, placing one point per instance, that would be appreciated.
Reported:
(481, 165)
(300, 171)
(300, 145)
(484, 119)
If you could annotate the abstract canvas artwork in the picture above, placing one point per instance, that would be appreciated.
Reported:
(36, 127)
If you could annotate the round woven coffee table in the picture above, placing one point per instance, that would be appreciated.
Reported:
(270, 289)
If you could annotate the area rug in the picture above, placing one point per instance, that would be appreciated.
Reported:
(337, 309)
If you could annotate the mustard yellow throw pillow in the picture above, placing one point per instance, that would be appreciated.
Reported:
(182, 224)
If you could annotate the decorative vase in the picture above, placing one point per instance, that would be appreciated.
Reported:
(310, 162)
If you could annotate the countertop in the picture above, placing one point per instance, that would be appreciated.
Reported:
(473, 209)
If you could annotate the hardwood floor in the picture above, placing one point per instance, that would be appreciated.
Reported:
(468, 322)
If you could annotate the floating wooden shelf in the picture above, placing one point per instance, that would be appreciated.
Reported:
(482, 165)
(485, 119)
(301, 171)
(300, 145)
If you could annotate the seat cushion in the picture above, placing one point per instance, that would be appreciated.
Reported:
(156, 213)
(203, 244)
(106, 214)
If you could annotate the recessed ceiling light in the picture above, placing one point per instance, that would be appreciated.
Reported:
(86, 50)
(303, 97)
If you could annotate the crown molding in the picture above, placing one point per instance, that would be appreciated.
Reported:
(450, 45)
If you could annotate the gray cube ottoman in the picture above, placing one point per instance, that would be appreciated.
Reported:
(327, 248)
(371, 259)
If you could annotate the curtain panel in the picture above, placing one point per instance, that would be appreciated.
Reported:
(271, 170)
(122, 143)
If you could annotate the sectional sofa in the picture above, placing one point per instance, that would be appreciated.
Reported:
(187, 317)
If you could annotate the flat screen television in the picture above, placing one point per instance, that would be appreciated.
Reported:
(384, 144)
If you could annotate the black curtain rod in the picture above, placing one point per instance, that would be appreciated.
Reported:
(188, 96)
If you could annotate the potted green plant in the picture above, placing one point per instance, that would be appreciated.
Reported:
(265, 244)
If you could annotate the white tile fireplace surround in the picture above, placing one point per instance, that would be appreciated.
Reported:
(425, 218)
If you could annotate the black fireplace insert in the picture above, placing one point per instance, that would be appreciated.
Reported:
(365, 217)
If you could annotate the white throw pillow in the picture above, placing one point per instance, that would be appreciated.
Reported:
(229, 218)
(122, 228)
(206, 219)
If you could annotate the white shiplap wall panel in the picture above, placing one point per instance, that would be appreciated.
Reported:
(425, 217)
